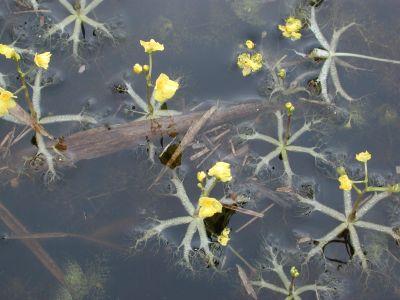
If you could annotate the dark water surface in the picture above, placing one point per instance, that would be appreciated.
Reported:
(108, 198)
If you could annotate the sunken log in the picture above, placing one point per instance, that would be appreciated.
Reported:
(105, 140)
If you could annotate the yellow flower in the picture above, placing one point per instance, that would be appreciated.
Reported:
(224, 238)
(209, 207)
(137, 69)
(151, 46)
(282, 73)
(250, 44)
(363, 156)
(345, 183)
(42, 60)
(9, 52)
(165, 88)
(291, 29)
(222, 171)
(6, 101)
(146, 68)
(294, 272)
(201, 176)
(289, 107)
(250, 63)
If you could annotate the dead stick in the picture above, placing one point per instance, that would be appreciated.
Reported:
(19, 229)
(253, 219)
(52, 235)
(102, 141)
(187, 139)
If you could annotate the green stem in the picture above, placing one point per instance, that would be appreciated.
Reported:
(291, 286)
(287, 132)
(377, 189)
(352, 215)
(149, 85)
(26, 91)
(357, 189)
(366, 175)
(209, 187)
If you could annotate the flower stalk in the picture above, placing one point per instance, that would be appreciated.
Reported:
(149, 85)
(347, 184)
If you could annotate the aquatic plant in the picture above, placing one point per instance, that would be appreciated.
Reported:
(275, 263)
(196, 215)
(291, 29)
(249, 11)
(156, 93)
(354, 211)
(284, 145)
(78, 14)
(251, 61)
(34, 4)
(81, 284)
(140, 103)
(35, 120)
(330, 57)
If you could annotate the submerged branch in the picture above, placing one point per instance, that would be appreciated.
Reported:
(17, 228)
(102, 141)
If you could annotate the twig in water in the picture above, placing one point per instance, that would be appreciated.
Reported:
(246, 283)
(19, 229)
(187, 139)
(253, 219)
(52, 235)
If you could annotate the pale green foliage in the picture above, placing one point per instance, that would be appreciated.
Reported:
(78, 16)
(328, 53)
(82, 284)
(276, 264)
(194, 224)
(42, 148)
(282, 148)
(346, 223)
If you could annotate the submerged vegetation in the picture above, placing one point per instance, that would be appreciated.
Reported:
(215, 190)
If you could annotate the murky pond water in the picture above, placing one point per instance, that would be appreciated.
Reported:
(97, 230)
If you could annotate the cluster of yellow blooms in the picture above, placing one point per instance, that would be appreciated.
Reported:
(165, 88)
(42, 60)
(291, 29)
(250, 44)
(282, 73)
(210, 206)
(250, 63)
(224, 238)
(6, 101)
(346, 183)
(151, 46)
(222, 171)
(9, 52)
(289, 108)
(294, 272)
(6, 97)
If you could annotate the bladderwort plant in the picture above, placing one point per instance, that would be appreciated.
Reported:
(34, 4)
(156, 93)
(327, 53)
(11, 111)
(254, 60)
(290, 289)
(284, 144)
(354, 211)
(196, 214)
(79, 15)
